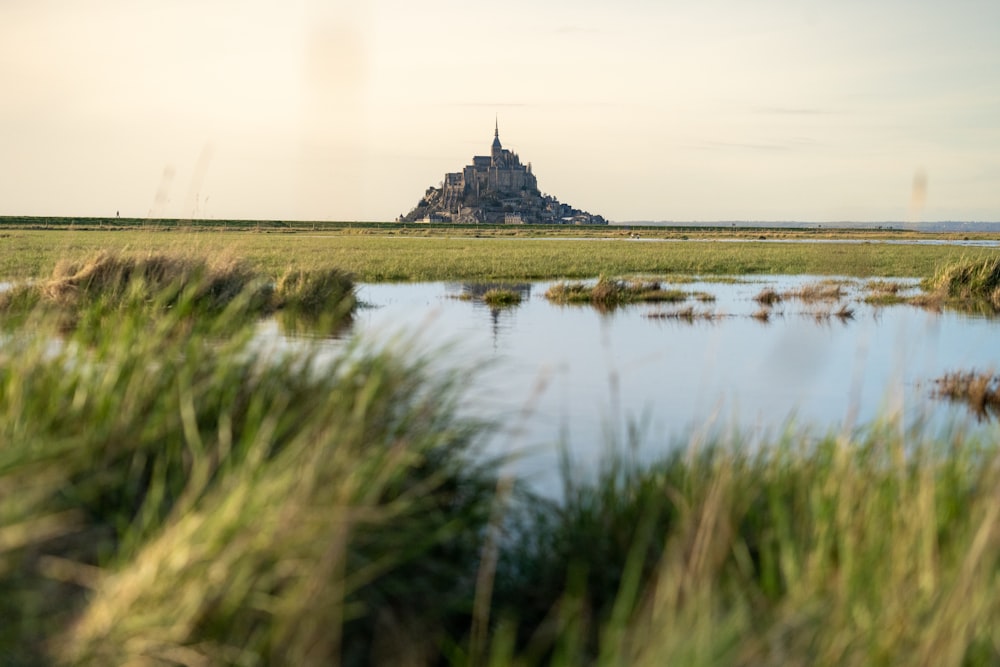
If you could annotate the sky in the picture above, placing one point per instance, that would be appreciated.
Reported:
(708, 110)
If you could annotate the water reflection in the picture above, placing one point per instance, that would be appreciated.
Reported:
(572, 375)
(476, 291)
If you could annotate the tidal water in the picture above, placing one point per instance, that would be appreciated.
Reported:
(644, 378)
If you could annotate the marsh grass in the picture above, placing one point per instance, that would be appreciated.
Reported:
(111, 282)
(970, 284)
(768, 297)
(499, 297)
(608, 292)
(168, 498)
(847, 551)
(686, 314)
(844, 313)
(825, 290)
(980, 391)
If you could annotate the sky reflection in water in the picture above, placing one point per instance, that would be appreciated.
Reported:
(573, 375)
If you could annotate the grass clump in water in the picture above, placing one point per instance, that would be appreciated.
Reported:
(768, 297)
(316, 300)
(499, 297)
(825, 290)
(968, 284)
(608, 292)
(112, 282)
(980, 391)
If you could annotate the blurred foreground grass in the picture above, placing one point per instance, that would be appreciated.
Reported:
(173, 494)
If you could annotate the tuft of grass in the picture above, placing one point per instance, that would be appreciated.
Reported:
(498, 297)
(687, 314)
(885, 299)
(820, 291)
(319, 300)
(968, 283)
(110, 283)
(315, 292)
(768, 297)
(607, 292)
(980, 391)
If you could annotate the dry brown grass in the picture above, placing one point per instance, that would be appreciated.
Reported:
(980, 391)
(768, 297)
(824, 290)
(686, 314)
(118, 277)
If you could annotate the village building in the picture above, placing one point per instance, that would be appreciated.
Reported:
(495, 188)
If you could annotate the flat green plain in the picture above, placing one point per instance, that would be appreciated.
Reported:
(389, 254)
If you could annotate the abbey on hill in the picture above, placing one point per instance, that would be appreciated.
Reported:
(495, 188)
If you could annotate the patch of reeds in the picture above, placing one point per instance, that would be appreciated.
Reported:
(980, 391)
(609, 292)
(111, 282)
(687, 314)
(970, 284)
(768, 297)
(318, 300)
(886, 286)
(886, 292)
(499, 297)
(843, 313)
(824, 290)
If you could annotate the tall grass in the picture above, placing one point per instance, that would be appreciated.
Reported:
(111, 282)
(609, 292)
(968, 283)
(164, 497)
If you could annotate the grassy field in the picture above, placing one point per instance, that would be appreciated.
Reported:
(383, 257)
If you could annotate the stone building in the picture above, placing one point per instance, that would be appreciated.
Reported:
(495, 188)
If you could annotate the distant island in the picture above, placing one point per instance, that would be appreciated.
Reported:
(495, 188)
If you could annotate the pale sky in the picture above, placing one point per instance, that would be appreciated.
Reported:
(707, 110)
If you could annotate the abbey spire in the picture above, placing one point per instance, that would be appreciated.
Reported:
(496, 150)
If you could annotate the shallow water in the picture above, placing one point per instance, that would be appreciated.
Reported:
(570, 374)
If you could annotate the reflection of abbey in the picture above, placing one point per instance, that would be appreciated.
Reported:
(495, 188)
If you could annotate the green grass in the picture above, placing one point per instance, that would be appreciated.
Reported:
(608, 292)
(379, 258)
(169, 497)
(109, 283)
(970, 283)
(498, 297)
